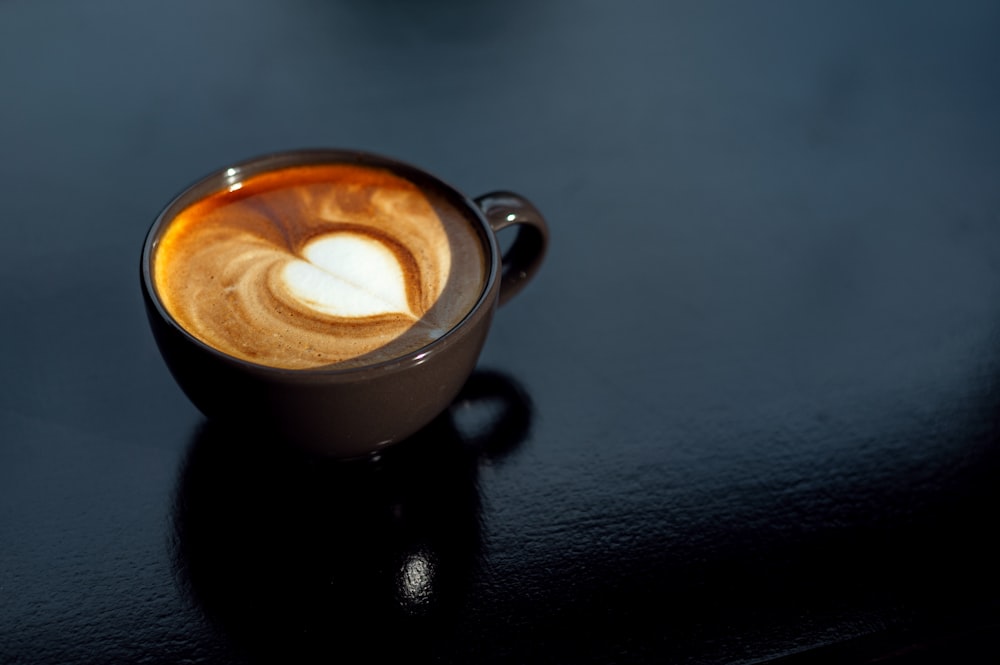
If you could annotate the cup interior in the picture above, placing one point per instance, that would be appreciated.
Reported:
(439, 194)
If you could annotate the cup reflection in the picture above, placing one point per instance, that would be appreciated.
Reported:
(294, 555)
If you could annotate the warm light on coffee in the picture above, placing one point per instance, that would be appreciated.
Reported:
(318, 265)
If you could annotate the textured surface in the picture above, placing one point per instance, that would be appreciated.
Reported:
(749, 410)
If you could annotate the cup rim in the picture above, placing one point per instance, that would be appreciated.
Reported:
(219, 178)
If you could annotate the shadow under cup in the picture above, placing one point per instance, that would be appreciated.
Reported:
(303, 559)
(347, 411)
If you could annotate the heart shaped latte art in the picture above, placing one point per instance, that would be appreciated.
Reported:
(319, 265)
(348, 275)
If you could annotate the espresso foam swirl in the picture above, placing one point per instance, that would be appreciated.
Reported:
(316, 265)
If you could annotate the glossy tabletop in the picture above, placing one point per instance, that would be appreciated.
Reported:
(747, 412)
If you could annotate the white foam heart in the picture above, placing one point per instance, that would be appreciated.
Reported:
(348, 274)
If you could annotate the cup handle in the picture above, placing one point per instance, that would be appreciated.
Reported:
(523, 258)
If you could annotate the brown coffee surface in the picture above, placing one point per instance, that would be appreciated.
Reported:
(319, 265)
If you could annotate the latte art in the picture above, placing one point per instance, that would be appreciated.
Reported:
(347, 274)
(318, 265)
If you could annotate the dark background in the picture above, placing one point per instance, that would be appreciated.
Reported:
(748, 411)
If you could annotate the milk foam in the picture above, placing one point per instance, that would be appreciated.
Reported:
(319, 265)
(350, 275)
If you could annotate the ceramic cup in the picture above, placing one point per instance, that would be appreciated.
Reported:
(352, 411)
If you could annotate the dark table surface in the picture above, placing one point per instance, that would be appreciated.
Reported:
(749, 411)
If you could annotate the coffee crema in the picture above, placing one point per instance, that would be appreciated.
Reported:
(317, 265)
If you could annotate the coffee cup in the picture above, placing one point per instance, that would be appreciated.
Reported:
(337, 300)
